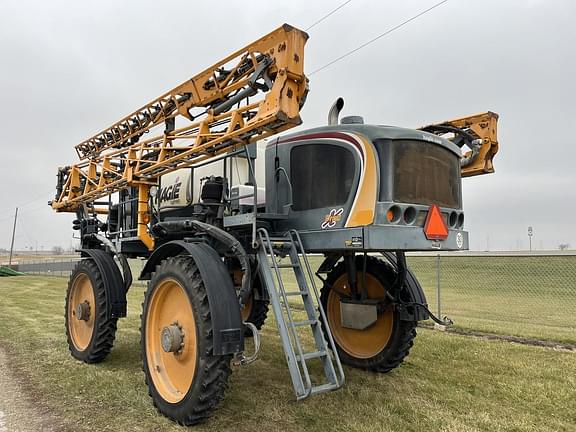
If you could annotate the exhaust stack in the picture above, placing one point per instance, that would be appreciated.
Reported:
(335, 111)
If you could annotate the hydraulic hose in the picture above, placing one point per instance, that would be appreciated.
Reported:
(222, 237)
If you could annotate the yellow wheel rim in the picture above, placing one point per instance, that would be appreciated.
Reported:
(81, 330)
(247, 310)
(172, 372)
(366, 343)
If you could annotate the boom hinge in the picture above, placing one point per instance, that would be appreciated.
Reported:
(477, 134)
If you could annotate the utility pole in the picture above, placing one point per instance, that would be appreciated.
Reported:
(530, 234)
(13, 232)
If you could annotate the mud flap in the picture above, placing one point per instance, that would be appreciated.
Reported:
(113, 281)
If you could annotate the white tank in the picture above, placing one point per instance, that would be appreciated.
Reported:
(177, 189)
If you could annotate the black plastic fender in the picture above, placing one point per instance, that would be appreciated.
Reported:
(222, 299)
(412, 288)
(113, 281)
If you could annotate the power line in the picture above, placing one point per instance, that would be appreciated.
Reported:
(26, 212)
(44, 196)
(387, 32)
(328, 14)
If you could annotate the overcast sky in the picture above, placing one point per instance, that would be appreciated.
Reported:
(70, 68)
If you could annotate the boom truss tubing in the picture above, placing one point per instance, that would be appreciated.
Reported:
(254, 93)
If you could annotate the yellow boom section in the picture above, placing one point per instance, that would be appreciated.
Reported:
(253, 93)
(477, 132)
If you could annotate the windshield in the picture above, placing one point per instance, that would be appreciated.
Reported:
(418, 172)
(425, 173)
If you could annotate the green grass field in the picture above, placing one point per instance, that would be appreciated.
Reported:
(448, 383)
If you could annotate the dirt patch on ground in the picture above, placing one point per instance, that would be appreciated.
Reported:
(18, 412)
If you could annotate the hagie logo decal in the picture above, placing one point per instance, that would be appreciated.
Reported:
(171, 192)
(331, 218)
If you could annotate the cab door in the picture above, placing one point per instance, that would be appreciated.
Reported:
(323, 176)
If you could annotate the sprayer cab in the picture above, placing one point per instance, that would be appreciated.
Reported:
(350, 185)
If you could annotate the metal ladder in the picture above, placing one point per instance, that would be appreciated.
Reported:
(296, 358)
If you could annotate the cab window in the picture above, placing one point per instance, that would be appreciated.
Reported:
(321, 175)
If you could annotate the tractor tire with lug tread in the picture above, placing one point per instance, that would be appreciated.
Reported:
(91, 338)
(382, 346)
(258, 313)
(256, 310)
(186, 385)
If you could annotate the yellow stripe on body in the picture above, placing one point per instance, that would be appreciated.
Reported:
(364, 205)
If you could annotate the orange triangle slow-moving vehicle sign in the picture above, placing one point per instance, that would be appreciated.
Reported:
(435, 227)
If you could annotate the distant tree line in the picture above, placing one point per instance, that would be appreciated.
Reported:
(57, 250)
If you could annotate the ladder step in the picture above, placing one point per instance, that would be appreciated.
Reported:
(296, 293)
(280, 243)
(281, 266)
(280, 239)
(305, 323)
(312, 355)
(324, 388)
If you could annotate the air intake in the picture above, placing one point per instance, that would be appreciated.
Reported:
(352, 120)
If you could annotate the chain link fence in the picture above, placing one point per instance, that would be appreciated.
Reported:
(47, 267)
(531, 296)
(63, 267)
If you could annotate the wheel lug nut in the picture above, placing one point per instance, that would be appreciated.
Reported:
(82, 311)
(171, 339)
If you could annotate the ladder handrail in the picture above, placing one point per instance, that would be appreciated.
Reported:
(290, 244)
(295, 234)
(262, 232)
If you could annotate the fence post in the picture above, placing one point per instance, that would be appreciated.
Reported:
(438, 286)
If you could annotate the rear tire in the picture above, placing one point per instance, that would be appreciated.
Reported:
(185, 385)
(91, 337)
(258, 313)
(256, 310)
(384, 345)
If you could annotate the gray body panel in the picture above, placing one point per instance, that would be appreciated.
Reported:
(377, 238)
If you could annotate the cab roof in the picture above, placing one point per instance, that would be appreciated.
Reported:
(373, 132)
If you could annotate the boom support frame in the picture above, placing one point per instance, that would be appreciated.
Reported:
(116, 158)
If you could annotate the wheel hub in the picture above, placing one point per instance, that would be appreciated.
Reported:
(172, 338)
(83, 311)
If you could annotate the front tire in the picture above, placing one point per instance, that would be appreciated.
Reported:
(89, 331)
(382, 346)
(186, 381)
